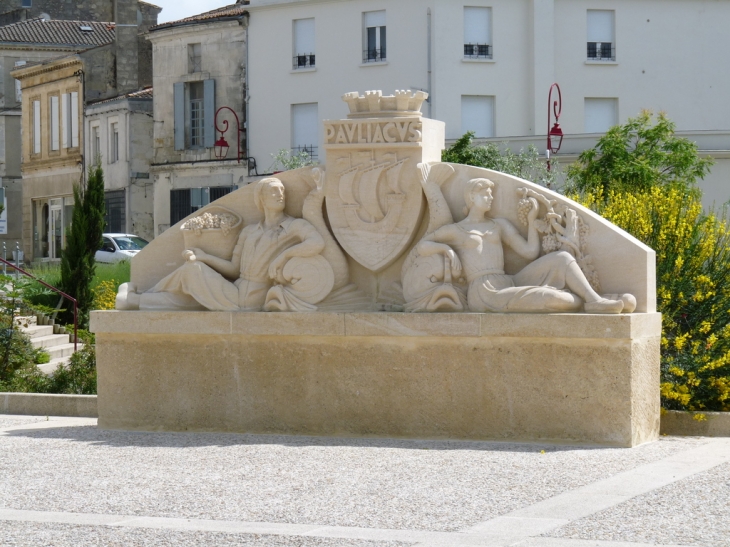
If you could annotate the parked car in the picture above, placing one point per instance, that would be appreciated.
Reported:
(118, 247)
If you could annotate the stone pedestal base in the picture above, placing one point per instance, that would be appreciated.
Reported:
(563, 378)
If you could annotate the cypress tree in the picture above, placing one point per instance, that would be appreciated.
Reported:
(83, 240)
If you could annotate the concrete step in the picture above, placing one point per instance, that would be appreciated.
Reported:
(63, 350)
(26, 321)
(50, 367)
(37, 331)
(50, 340)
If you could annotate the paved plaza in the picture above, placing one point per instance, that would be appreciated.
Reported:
(65, 482)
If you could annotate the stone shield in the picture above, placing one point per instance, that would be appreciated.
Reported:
(374, 204)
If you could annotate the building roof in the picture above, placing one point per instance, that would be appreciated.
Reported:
(150, 4)
(231, 11)
(145, 93)
(41, 31)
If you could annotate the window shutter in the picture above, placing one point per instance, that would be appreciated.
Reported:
(304, 125)
(600, 26)
(36, 127)
(179, 105)
(303, 36)
(54, 122)
(209, 113)
(74, 119)
(374, 19)
(600, 114)
(477, 26)
(64, 120)
(477, 114)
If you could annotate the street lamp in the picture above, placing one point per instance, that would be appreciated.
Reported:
(220, 148)
(555, 134)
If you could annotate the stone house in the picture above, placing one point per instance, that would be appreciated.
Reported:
(36, 31)
(52, 159)
(53, 136)
(24, 43)
(199, 71)
(119, 136)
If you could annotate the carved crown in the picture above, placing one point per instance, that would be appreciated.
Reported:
(375, 105)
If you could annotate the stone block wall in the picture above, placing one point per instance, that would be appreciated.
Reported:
(89, 10)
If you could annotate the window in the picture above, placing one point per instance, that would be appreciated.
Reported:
(115, 212)
(601, 43)
(26, 4)
(194, 111)
(600, 115)
(304, 129)
(477, 114)
(374, 36)
(70, 119)
(477, 33)
(18, 92)
(36, 127)
(113, 142)
(186, 201)
(197, 114)
(303, 43)
(95, 144)
(54, 122)
(194, 58)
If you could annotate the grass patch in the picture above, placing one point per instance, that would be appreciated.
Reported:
(107, 279)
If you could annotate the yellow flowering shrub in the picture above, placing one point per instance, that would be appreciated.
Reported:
(693, 288)
(105, 294)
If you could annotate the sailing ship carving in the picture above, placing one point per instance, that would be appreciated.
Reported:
(371, 199)
(365, 208)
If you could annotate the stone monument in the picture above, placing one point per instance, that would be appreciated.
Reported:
(387, 293)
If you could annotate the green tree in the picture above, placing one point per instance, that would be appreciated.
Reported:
(285, 160)
(637, 156)
(526, 164)
(82, 242)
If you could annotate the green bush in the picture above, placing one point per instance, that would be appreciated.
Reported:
(17, 352)
(643, 178)
(526, 164)
(77, 377)
(285, 160)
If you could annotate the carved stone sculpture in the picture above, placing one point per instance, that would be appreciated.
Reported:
(460, 265)
(276, 265)
(385, 228)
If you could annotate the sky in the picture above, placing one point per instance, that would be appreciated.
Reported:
(172, 10)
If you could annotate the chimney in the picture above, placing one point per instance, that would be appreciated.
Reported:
(126, 45)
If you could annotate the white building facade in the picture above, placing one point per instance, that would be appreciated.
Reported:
(488, 65)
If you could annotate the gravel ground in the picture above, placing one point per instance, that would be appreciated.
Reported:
(7, 420)
(694, 511)
(416, 485)
(35, 534)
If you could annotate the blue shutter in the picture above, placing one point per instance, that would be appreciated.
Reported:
(179, 104)
(208, 113)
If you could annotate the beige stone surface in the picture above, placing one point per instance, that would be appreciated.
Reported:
(46, 404)
(403, 324)
(696, 424)
(463, 325)
(383, 377)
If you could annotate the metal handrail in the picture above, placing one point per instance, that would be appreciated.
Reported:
(71, 298)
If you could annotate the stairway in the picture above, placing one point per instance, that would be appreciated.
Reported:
(59, 346)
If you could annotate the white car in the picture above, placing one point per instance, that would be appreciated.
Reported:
(118, 247)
